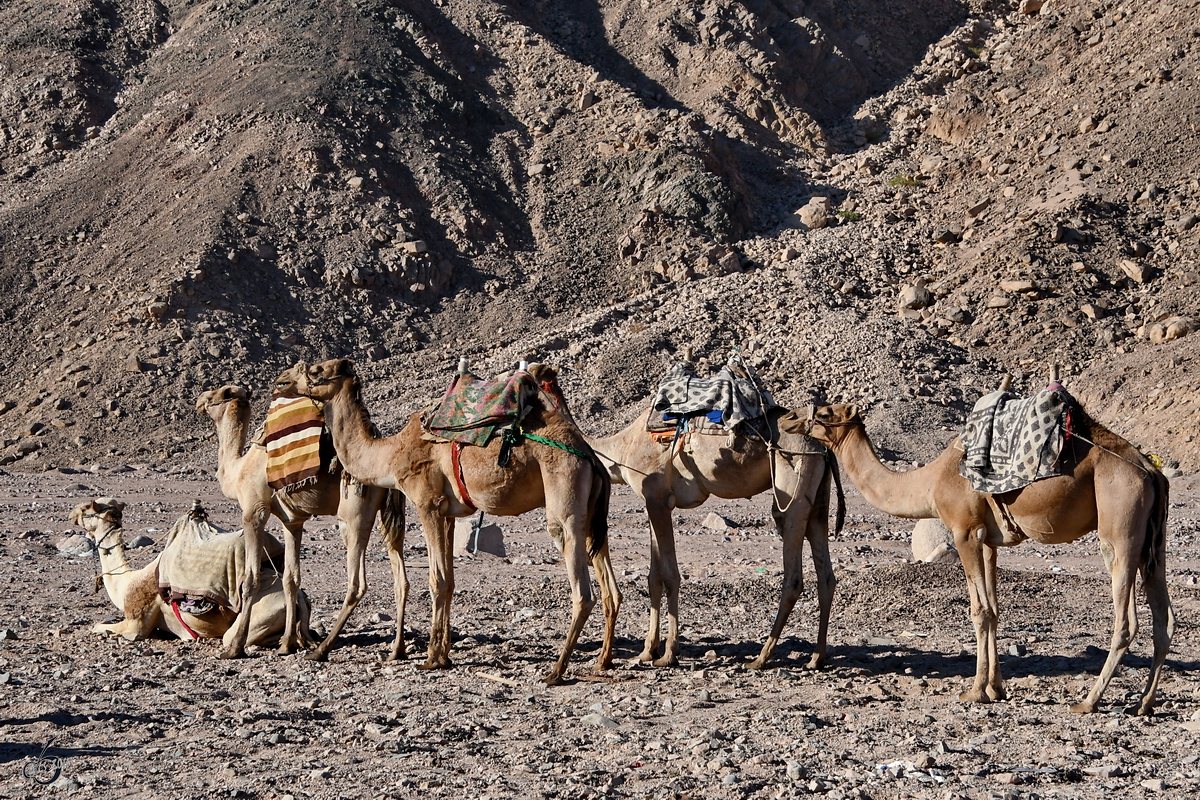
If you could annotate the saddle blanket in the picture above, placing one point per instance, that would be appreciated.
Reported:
(293, 440)
(473, 409)
(1010, 442)
(730, 392)
(202, 561)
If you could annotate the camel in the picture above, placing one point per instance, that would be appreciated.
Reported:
(573, 490)
(135, 591)
(243, 477)
(668, 477)
(1111, 488)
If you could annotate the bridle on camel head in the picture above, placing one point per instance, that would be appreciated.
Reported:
(98, 548)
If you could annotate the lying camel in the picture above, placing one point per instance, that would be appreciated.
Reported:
(669, 477)
(243, 477)
(135, 592)
(1111, 489)
(573, 490)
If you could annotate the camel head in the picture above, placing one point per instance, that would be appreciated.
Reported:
(213, 402)
(319, 381)
(91, 514)
(827, 424)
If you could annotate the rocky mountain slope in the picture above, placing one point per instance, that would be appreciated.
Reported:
(888, 202)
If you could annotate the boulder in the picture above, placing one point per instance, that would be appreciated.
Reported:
(490, 538)
(933, 543)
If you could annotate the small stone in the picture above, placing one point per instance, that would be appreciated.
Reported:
(933, 543)
(1105, 771)
(795, 770)
(139, 541)
(1018, 286)
(377, 353)
(949, 235)
(915, 296)
(1017, 649)
(1155, 784)
(65, 783)
(415, 246)
(978, 207)
(599, 720)
(716, 522)
(133, 364)
(815, 214)
(75, 545)
(320, 773)
(999, 302)
(710, 655)
(1136, 271)
(731, 779)
(1092, 311)
(1031, 7)
(538, 169)
(1185, 223)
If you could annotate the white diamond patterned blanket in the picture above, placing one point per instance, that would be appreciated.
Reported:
(1010, 441)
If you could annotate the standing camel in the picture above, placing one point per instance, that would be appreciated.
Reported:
(1110, 488)
(243, 477)
(574, 492)
(666, 478)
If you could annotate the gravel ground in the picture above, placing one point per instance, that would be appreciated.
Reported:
(166, 717)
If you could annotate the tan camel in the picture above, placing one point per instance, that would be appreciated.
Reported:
(741, 467)
(135, 591)
(1111, 489)
(243, 477)
(574, 492)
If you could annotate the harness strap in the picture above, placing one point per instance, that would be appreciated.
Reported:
(178, 616)
(456, 461)
(533, 437)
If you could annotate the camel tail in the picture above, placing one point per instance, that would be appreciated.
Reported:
(597, 535)
(831, 464)
(391, 519)
(1154, 549)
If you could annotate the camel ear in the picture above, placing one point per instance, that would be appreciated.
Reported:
(201, 402)
(76, 516)
(345, 368)
(851, 412)
(791, 422)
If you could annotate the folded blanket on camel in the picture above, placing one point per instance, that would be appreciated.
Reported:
(1011, 441)
(200, 560)
(731, 394)
(473, 409)
(293, 440)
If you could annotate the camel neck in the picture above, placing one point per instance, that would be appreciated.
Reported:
(362, 455)
(114, 565)
(231, 441)
(901, 494)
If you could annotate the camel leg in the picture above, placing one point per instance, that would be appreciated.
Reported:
(394, 541)
(439, 538)
(293, 537)
(610, 597)
(127, 629)
(355, 525)
(1163, 617)
(1122, 567)
(662, 549)
(660, 528)
(789, 528)
(253, 524)
(995, 681)
(970, 550)
(582, 600)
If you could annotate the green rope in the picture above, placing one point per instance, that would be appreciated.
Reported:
(543, 440)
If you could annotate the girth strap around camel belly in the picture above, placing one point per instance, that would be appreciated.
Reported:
(456, 464)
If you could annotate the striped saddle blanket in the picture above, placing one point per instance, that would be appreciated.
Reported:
(1010, 441)
(293, 437)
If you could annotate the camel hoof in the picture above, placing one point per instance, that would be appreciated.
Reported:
(817, 661)
(320, 654)
(646, 656)
(441, 663)
(397, 655)
(757, 663)
(603, 665)
(668, 660)
(975, 696)
(1083, 708)
(232, 652)
(996, 693)
(553, 679)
